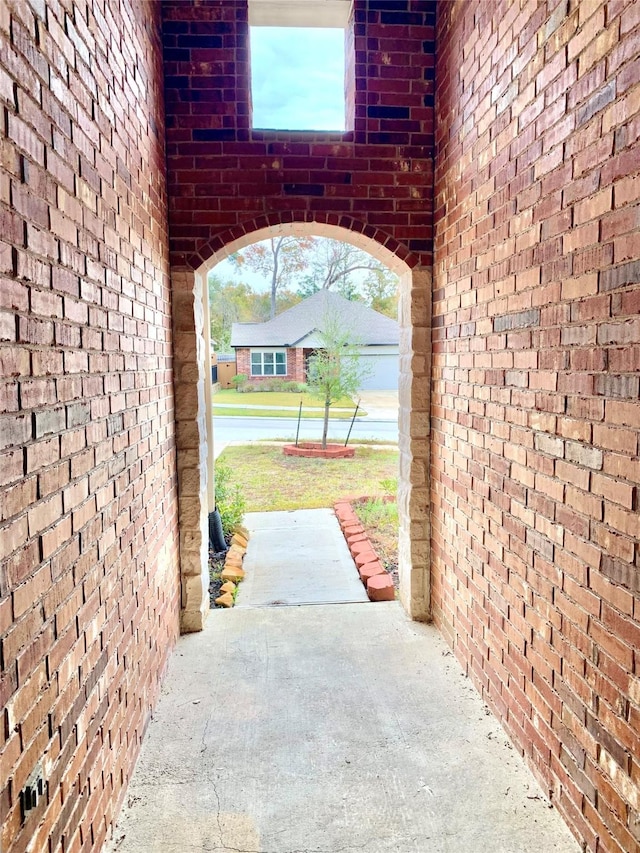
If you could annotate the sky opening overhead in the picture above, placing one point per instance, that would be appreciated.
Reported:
(297, 78)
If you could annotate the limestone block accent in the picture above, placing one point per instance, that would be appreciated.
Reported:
(191, 446)
(414, 439)
(195, 592)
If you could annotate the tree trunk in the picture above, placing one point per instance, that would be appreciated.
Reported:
(275, 249)
(274, 285)
(325, 426)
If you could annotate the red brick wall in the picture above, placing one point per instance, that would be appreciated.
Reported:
(226, 180)
(88, 541)
(227, 183)
(295, 365)
(536, 562)
(243, 361)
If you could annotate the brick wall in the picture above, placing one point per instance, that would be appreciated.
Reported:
(230, 185)
(536, 562)
(88, 541)
(226, 179)
(243, 361)
(295, 365)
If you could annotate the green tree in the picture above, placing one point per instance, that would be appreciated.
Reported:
(287, 299)
(277, 259)
(239, 303)
(228, 303)
(336, 369)
(356, 275)
(380, 290)
(297, 267)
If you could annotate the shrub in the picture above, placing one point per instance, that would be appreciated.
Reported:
(390, 486)
(375, 512)
(239, 380)
(273, 384)
(291, 386)
(230, 501)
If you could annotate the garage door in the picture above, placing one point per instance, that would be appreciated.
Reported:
(382, 372)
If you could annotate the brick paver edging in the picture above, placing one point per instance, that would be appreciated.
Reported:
(233, 573)
(372, 573)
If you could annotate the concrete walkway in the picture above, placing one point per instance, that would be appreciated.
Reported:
(329, 729)
(297, 557)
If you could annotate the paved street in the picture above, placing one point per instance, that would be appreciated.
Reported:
(227, 429)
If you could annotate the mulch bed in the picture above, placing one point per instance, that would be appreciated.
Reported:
(216, 565)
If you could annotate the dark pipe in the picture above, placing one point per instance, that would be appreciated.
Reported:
(299, 416)
(216, 536)
(352, 422)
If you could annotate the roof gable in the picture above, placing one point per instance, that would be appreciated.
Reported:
(289, 328)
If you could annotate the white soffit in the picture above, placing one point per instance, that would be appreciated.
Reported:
(299, 13)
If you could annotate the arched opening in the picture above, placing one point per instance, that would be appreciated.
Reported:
(195, 434)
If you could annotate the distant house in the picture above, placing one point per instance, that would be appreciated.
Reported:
(282, 346)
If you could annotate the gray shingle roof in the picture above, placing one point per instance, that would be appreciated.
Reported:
(369, 327)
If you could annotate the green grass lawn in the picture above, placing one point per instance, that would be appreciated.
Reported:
(272, 481)
(281, 413)
(275, 398)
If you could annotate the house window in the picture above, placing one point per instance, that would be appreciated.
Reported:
(298, 64)
(268, 363)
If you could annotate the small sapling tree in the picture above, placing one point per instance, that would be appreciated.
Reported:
(335, 369)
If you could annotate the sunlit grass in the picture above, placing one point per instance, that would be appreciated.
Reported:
(279, 413)
(272, 481)
(276, 398)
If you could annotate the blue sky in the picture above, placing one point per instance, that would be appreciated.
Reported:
(297, 78)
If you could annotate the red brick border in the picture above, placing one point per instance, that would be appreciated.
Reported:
(372, 573)
(315, 450)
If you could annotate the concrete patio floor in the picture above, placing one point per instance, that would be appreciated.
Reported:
(333, 729)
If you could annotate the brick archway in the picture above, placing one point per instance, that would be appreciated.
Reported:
(229, 183)
(194, 431)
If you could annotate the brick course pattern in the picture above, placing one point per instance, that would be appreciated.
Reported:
(295, 365)
(536, 352)
(535, 412)
(88, 521)
(230, 185)
(226, 179)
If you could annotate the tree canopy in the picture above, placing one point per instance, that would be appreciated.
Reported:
(292, 269)
(231, 302)
(277, 259)
(332, 264)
